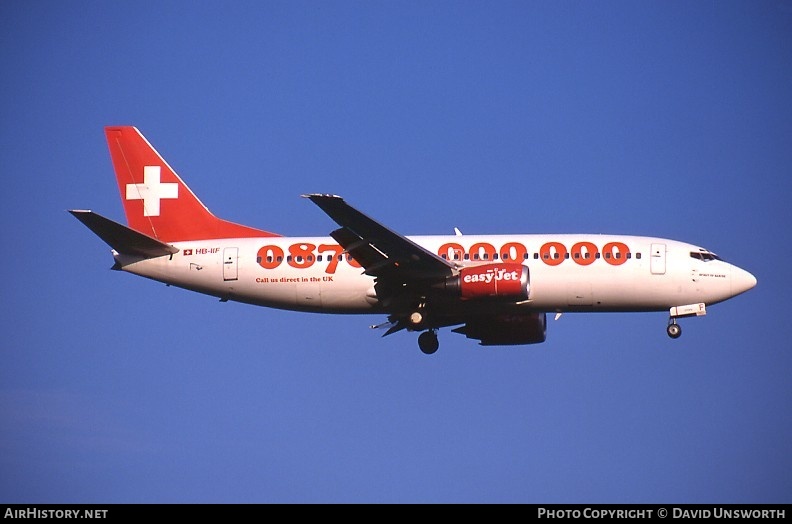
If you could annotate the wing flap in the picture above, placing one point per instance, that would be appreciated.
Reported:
(379, 250)
(361, 250)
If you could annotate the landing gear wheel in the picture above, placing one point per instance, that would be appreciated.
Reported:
(428, 342)
(674, 330)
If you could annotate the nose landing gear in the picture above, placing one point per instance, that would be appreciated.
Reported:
(674, 330)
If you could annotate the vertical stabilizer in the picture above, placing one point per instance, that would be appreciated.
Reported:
(156, 200)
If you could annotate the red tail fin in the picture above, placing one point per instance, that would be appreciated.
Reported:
(156, 201)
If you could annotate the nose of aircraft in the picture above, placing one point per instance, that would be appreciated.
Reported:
(741, 280)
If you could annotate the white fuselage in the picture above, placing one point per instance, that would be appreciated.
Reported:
(567, 272)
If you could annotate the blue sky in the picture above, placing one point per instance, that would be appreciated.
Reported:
(670, 119)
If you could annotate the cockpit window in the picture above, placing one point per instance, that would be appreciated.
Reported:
(706, 256)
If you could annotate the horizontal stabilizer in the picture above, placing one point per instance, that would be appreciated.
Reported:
(121, 238)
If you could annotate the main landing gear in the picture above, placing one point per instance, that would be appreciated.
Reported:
(428, 342)
(415, 322)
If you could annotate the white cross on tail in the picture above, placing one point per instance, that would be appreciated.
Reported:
(151, 191)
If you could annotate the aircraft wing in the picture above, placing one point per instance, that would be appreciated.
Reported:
(383, 253)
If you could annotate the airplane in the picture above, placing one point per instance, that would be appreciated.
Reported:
(497, 289)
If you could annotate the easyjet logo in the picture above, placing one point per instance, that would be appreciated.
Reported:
(491, 275)
(493, 280)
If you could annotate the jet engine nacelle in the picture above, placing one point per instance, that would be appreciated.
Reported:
(504, 280)
(504, 330)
